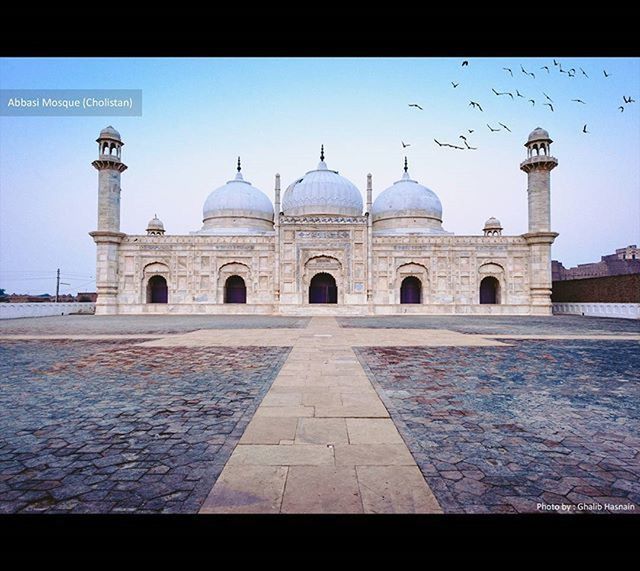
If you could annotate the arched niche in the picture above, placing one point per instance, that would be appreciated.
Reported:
(493, 288)
(229, 270)
(322, 264)
(415, 270)
(154, 269)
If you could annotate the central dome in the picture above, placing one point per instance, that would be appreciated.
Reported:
(322, 192)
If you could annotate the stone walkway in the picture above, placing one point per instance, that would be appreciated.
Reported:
(321, 442)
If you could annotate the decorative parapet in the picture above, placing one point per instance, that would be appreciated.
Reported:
(323, 220)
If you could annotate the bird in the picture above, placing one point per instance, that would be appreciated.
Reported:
(405, 145)
(474, 104)
(470, 148)
(503, 125)
(584, 129)
(416, 105)
(621, 108)
(572, 73)
(462, 137)
(545, 67)
(549, 105)
(579, 101)
(509, 70)
(470, 130)
(527, 72)
(555, 63)
(605, 73)
(448, 145)
(584, 73)
(519, 94)
(465, 62)
(628, 99)
(549, 98)
(492, 129)
(502, 93)
(533, 103)
(454, 84)
(560, 68)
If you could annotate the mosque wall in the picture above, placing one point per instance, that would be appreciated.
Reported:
(450, 270)
(195, 269)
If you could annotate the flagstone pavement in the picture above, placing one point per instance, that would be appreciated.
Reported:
(318, 416)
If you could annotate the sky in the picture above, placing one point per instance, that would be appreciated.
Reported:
(200, 114)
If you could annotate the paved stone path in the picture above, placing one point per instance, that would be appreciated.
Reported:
(500, 430)
(321, 442)
(109, 426)
(500, 325)
(145, 419)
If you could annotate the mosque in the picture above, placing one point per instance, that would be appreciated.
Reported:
(321, 251)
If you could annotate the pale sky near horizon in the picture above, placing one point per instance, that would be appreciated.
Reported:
(199, 114)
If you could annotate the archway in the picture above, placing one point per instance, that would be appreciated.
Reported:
(411, 290)
(157, 290)
(323, 289)
(489, 288)
(235, 290)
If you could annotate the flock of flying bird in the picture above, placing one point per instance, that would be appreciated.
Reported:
(548, 103)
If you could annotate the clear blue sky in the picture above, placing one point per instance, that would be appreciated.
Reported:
(200, 114)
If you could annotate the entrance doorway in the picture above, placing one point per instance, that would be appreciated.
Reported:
(235, 290)
(489, 288)
(323, 289)
(411, 290)
(157, 290)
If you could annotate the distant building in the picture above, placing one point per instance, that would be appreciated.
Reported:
(624, 261)
(87, 296)
(28, 298)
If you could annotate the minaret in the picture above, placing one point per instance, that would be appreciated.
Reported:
(369, 239)
(277, 195)
(538, 167)
(276, 227)
(108, 236)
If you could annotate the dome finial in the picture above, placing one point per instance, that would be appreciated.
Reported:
(406, 166)
(322, 152)
(239, 167)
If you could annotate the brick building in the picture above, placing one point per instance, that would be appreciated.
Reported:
(624, 261)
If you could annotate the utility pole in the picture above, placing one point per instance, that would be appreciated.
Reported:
(57, 284)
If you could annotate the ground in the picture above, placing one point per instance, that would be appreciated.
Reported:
(296, 415)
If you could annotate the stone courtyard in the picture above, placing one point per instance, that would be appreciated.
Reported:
(258, 414)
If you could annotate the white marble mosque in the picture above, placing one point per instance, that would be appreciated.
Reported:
(322, 251)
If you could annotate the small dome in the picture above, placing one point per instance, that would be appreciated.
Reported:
(322, 192)
(155, 224)
(492, 223)
(237, 206)
(538, 134)
(109, 133)
(408, 206)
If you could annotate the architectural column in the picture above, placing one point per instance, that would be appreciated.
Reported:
(108, 236)
(539, 237)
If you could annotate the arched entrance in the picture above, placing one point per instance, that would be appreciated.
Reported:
(411, 290)
(323, 289)
(157, 290)
(489, 288)
(235, 290)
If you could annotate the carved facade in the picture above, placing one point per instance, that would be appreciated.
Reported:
(396, 258)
